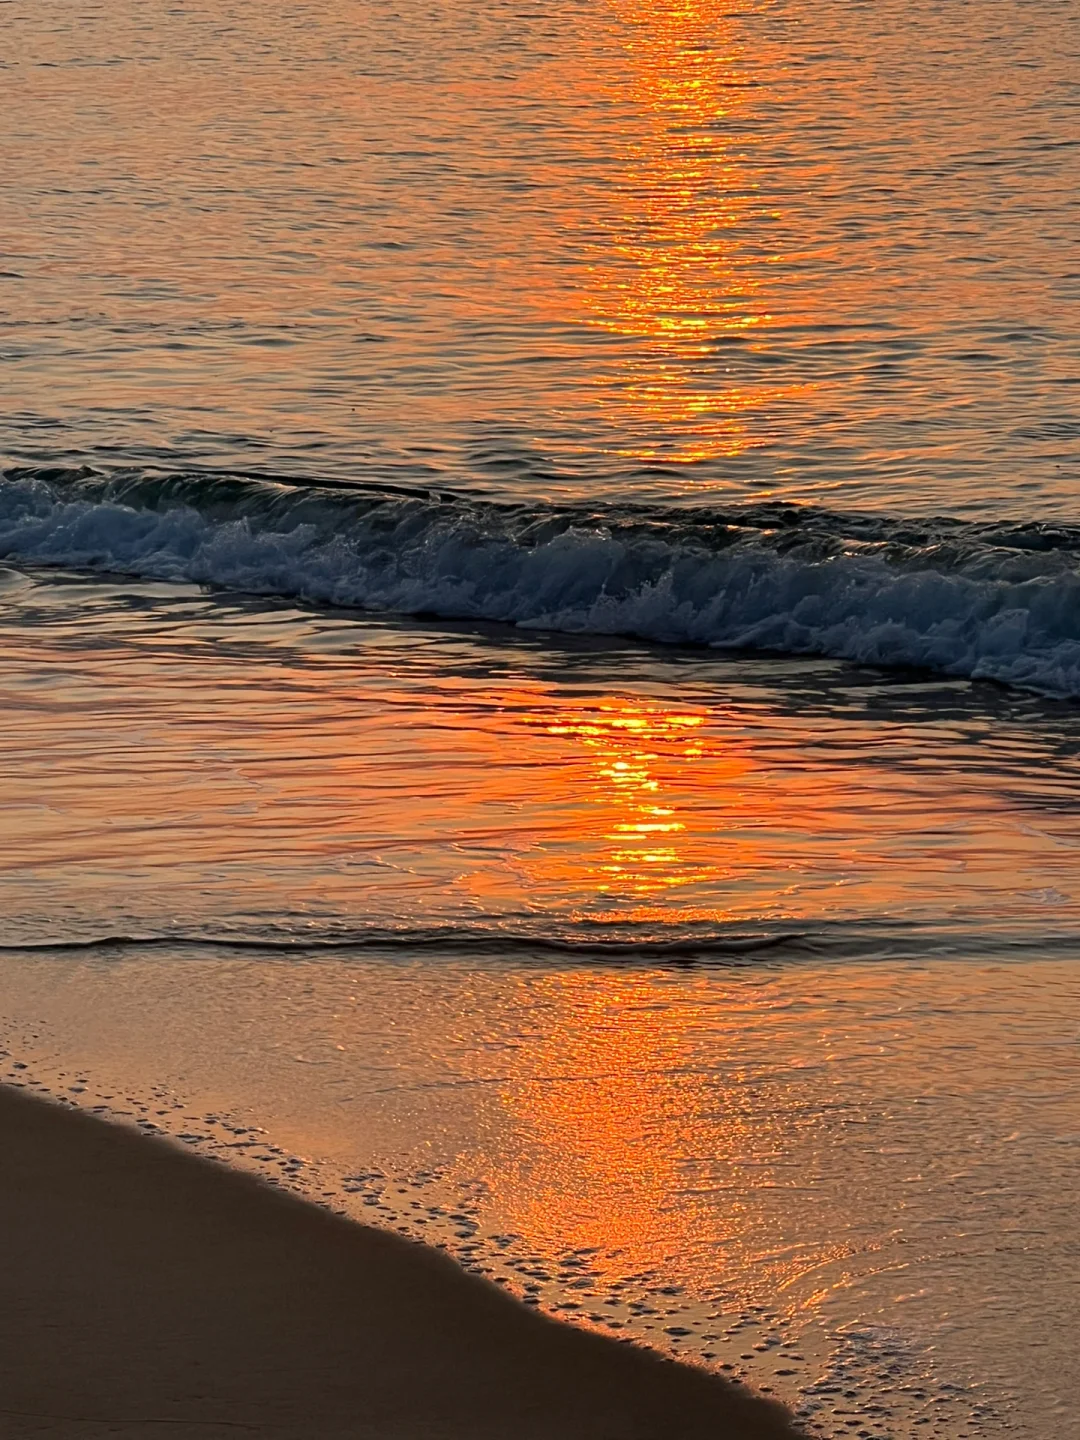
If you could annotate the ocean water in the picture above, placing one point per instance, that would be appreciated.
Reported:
(540, 650)
(726, 1004)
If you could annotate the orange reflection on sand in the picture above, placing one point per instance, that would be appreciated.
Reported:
(643, 1149)
(606, 1100)
(681, 267)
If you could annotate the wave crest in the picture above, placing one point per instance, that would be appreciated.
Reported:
(991, 602)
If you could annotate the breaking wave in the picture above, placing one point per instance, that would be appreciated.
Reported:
(997, 602)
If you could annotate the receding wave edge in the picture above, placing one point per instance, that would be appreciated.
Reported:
(585, 944)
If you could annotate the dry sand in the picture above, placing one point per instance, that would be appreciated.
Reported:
(148, 1293)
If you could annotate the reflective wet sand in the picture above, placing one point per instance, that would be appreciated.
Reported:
(850, 1184)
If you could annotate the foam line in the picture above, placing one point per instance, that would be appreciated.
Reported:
(987, 602)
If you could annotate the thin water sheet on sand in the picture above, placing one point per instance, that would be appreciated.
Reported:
(146, 1291)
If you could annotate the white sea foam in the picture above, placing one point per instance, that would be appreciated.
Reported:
(961, 605)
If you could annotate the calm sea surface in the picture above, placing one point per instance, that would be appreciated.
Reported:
(629, 250)
(540, 649)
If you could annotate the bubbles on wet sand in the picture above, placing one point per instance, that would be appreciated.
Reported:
(874, 1383)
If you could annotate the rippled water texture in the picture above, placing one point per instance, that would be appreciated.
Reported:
(178, 766)
(726, 1004)
(634, 249)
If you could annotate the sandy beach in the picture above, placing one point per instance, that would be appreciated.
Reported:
(150, 1293)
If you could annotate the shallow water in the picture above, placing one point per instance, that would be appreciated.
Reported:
(177, 765)
(729, 1005)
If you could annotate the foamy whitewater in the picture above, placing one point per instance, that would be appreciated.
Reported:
(990, 602)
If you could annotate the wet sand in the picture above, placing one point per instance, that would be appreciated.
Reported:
(149, 1293)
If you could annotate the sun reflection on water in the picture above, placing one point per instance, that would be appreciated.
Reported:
(683, 263)
(632, 812)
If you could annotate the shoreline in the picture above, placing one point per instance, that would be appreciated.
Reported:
(149, 1291)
